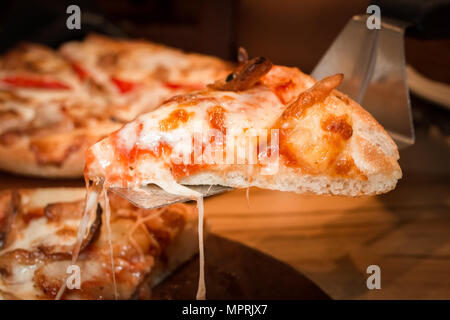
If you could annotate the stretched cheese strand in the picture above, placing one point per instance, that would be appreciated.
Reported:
(201, 291)
(91, 203)
(108, 227)
(171, 186)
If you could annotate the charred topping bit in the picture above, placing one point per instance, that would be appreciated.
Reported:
(317, 93)
(242, 55)
(245, 76)
(230, 77)
(14, 208)
(94, 230)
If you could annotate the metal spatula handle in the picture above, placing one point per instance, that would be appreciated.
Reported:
(373, 65)
(426, 18)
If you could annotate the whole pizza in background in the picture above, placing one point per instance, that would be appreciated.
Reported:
(54, 104)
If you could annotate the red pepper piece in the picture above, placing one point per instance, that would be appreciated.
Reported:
(29, 82)
(80, 71)
(122, 85)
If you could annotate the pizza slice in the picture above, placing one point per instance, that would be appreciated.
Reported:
(266, 126)
(39, 229)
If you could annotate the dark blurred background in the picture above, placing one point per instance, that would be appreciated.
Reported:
(289, 32)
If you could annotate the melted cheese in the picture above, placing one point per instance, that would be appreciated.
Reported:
(108, 228)
(201, 291)
(91, 204)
